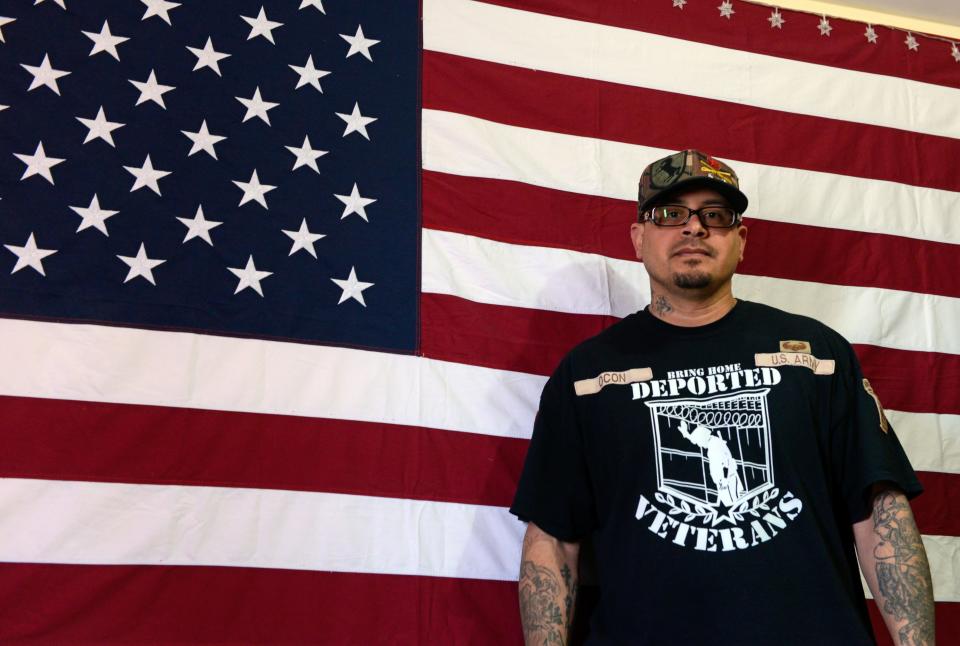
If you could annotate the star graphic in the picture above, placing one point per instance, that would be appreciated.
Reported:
(726, 9)
(356, 122)
(44, 74)
(824, 26)
(306, 156)
(313, 3)
(146, 176)
(38, 163)
(249, 277)
(208, 57)
(4, 20)
(59, 2)
(352, 288)
(359, 44)
(29, 255)
(140, 265)
(309, 75)
(303, 239)
(354, 203)
(679, 3)
(260, 26)
(150, 90)
(93, 216)
(159, 8)
(254, 190)
(257, 107)
(203, 140)
(199, 227)
(100, 128)
(955, 52)
(911, 42)
(105, 41)
(776, 19)
(871, 35)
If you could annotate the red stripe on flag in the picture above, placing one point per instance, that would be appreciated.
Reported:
(519, 213)
(103, 604)
(599, 109)
(748, 30)
(70, 440)
(923, 382)
(937, 509)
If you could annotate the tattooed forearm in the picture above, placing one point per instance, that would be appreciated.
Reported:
(542, 592)
(903, 574)
(661, 305)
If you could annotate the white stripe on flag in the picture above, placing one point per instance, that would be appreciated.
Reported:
(500, 273)
(931, 441)
(590, 50)
(463, 145)
(109, 523)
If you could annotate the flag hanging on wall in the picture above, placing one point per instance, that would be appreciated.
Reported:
(281, 283)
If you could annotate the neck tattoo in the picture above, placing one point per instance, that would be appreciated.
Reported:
(661, 305)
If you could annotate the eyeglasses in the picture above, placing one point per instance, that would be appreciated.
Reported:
(674, 215)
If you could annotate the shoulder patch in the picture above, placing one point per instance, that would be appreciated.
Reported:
(884, 424)
(596, 384)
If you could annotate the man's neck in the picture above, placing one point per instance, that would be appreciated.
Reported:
(690, 312)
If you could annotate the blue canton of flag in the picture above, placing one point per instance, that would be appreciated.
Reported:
(246, 168)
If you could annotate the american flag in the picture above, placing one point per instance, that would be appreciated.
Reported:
(304, 423)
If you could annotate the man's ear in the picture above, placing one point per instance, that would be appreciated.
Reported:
(636, 236)
(742, 232)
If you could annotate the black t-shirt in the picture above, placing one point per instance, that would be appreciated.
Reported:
(718, 471)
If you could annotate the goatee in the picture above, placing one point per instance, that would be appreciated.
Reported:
(692, 280)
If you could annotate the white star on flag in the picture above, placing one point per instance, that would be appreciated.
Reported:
(93, 216)
(199, 227)
(208, 57)
(726, 9)
(352, 288)
(105, 41)
(44, 74)
(955, 52)
(354, 203)
(147, 176)
(260, 26)
(303, 239)
(309, 75)
(140, 265)
(359, 44)
(100, 128)
(824, 26)
(313, 3)
(254, 190)
(911, 42)
(306, 156)
(38, 163)
(4, 20)
(29, 255)
(150, 90)
(59, 2)
(776, 19)
(257, 107)
(159, 8)
(871, 35)
(249, 277)
(356, 122)
(203, 140)
(679, 3)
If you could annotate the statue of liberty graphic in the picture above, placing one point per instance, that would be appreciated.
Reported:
(723, 468)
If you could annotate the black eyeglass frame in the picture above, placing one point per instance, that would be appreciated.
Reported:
(648, 216)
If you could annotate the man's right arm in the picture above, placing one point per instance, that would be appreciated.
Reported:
(548, 587)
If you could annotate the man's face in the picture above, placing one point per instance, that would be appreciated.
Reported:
(689, 257)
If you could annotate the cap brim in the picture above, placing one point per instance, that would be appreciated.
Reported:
(733, 195)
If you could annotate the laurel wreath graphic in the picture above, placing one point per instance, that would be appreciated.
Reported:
(711, 515)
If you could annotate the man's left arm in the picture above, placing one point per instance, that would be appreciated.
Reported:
(894, 563)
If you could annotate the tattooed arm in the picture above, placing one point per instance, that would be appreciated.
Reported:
(548, 587)
(895, 565)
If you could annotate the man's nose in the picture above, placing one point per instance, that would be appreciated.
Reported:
(694, 227)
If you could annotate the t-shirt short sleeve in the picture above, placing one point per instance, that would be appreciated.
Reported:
(554, 490)
(865, 447)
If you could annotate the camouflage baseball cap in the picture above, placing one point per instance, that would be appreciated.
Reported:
(689, 168)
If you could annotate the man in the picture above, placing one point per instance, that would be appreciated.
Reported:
(746, 530)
